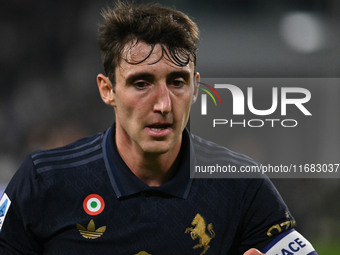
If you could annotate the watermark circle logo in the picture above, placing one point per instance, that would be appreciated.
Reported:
(93, 204)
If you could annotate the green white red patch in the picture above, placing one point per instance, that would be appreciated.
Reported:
(93, 204)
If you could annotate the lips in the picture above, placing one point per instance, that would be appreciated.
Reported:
(159, 129)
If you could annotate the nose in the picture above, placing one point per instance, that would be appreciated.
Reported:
(163, 101)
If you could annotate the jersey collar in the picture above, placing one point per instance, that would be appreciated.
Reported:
(125, 183)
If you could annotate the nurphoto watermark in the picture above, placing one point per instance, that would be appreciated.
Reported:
(285, 124)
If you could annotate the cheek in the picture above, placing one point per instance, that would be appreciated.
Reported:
(131, 108)
(123, 101)
(182, 109)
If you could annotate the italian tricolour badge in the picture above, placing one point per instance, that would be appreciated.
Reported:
(93, 204)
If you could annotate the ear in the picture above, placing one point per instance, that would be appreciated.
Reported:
(196, 86)
(106, 90)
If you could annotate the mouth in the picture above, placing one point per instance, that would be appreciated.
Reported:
(159, 129)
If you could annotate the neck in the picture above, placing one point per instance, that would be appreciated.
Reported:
(154, 169)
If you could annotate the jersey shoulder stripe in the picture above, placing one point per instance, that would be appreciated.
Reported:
(75, 154)
(208, 151)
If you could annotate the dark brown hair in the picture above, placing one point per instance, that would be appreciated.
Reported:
(153, 24)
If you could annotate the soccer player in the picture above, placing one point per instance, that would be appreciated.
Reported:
(128, 190)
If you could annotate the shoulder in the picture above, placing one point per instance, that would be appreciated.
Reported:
(223, 167)
(64, 162)
(208, 151)
(78, 153)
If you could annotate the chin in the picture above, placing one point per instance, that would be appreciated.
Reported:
(157, 147)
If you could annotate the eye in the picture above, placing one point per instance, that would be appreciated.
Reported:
(178, 82)
(140, 84)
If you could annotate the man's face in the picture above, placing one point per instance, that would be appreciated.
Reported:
(152, 101)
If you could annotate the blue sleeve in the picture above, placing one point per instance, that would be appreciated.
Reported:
(20, 215)
(265, 215)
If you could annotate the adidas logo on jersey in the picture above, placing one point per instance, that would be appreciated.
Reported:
(91, 232)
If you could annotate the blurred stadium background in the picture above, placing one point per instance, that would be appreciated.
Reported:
(49, 61)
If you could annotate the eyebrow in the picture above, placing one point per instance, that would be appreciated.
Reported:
(150, 76)
(184, 74)
(137, 76)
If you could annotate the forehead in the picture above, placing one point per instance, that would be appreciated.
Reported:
(141, 55)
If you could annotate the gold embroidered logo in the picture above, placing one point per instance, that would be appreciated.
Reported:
(199, 231)
(91, 232)
(142, 253)
(283, 226)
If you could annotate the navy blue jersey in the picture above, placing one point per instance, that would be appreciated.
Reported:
(83, 199)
